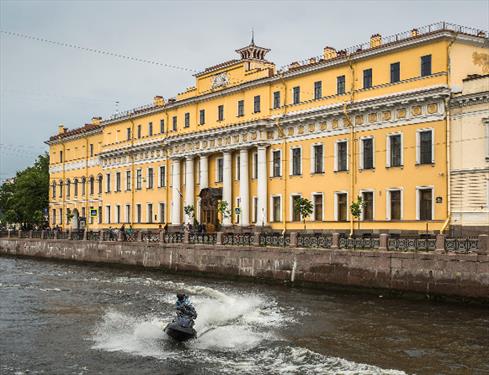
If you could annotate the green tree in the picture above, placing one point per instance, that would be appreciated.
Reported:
(356, 209)
(24, 198)
(189, 210)
(304, 207)
(223, 209)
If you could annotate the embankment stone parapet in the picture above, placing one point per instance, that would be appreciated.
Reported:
(447, 274)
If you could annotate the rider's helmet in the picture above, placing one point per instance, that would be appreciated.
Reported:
(181, 296)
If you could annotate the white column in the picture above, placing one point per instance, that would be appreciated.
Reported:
(244, 188)
(204, 172)
(226, 185)
(175, 193)
(261, 215)
(189, 185)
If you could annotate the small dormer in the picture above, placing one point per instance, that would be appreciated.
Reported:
(252, 51)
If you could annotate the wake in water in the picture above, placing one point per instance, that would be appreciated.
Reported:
(236, 333)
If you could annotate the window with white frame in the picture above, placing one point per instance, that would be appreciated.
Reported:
(149, 213)
(118, 181)
(237, 169)
(150, 179)
(219, 169)
(317, 158)
(341, 206)
(162, 176)
(255, 210)
(295, 214)
(128, 180)
(317, 199)
(118, 214)
(127, 218)
(296, 161)
(276, 209)
(162, 212)
(424, 146)
(394, 152)
(276, 163)
(138, 213)
(107, 183)
(368, 205)
(341, 155)
(107, 214)
(367, 153)
(394, 204)
(139, 179)
(424, 198)
(254, 165)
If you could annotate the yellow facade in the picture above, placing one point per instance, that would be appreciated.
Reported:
(413, 106)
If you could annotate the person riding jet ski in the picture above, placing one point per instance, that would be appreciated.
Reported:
(185, 308)
(182, 327)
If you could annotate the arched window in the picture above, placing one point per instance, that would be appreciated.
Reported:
(54, 190)
(75, 187)
(68, 188)
(99, 183)
(92, 183)
(83, 186)
(61, 189)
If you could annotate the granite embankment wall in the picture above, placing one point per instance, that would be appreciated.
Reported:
(456, 275)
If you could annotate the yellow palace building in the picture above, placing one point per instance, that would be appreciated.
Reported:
(370, 121)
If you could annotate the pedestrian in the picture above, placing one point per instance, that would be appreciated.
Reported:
(123, 232)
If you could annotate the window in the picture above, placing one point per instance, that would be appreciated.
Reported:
(162, 212)
(128, 213)
(425, 203)
(276, 99)
(296, 95)
(91, 150)
(187, 120)
(83, 183)
(276, 209)
(238, 169)
(162, 126)
(118, 181)
(83, 213)
(318, 90)
(342, 207)
(256, 104)
(92, 185)
(425, 147)
(368, 205)
(162, 176)
(150, 129)
(340, 85)
(202, 117)
(367, 78)
(174, 121)
(318, 162)
(139, 179)
(318, 207)
(68, 188)
(60, 216)
(395, 204)
(149, 213)
(54, 216)
(138, 213)
(220, 167)
(128, 130)
(341, 156)
(394, 149)
(128, 180)
(61, 156)
(139, 131)
(296, 161)
(220, 113)
(107, 183)
(395, 72)
(54, 189)
(240, 108)
(425, 65)
(296, 215)
(100, 215)
(367, 153)
(255, 210)
(254, 167)
(118, 214)
(276, 163)
(75, 187)
(107, 214)
(150, 177)
(99, 180)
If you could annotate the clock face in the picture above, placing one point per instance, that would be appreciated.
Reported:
(220, 80)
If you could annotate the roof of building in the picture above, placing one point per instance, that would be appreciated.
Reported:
(84, 129)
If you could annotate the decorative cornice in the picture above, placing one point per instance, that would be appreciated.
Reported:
(470, 99)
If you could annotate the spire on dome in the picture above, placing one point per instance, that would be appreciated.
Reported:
(252, 51)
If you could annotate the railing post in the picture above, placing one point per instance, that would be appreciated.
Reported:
(162, 236)
(140, 236)
(56, 234)
(30, 233)
(9, 233)
(293, 239)
(383, 242)
(85, 234)
(256, 239)
(219, 238)
(119, 236)
(102, 235)
(19, 233)
(483, 248)
(186, 236)
(440, 244)
(43, 234)
(70, 234)
(335, 243)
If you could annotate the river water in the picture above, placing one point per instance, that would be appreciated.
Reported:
(59, 318)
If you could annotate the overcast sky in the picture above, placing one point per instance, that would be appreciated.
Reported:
(43, 85)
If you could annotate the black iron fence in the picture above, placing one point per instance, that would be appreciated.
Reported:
(316, 240)
(202, 238)
(411, 244)
(238, 239)
(274, 239)
(462, 245)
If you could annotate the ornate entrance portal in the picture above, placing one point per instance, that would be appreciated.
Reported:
(209, 197)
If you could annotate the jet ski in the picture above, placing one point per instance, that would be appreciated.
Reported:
(181, 328)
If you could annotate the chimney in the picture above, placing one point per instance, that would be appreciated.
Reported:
(329, 53)
(96, 120)
(312, 60)
(61, 129)
(481, 34)
(414, 32)
(294, 65)
(158, 101)
(375, 40)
